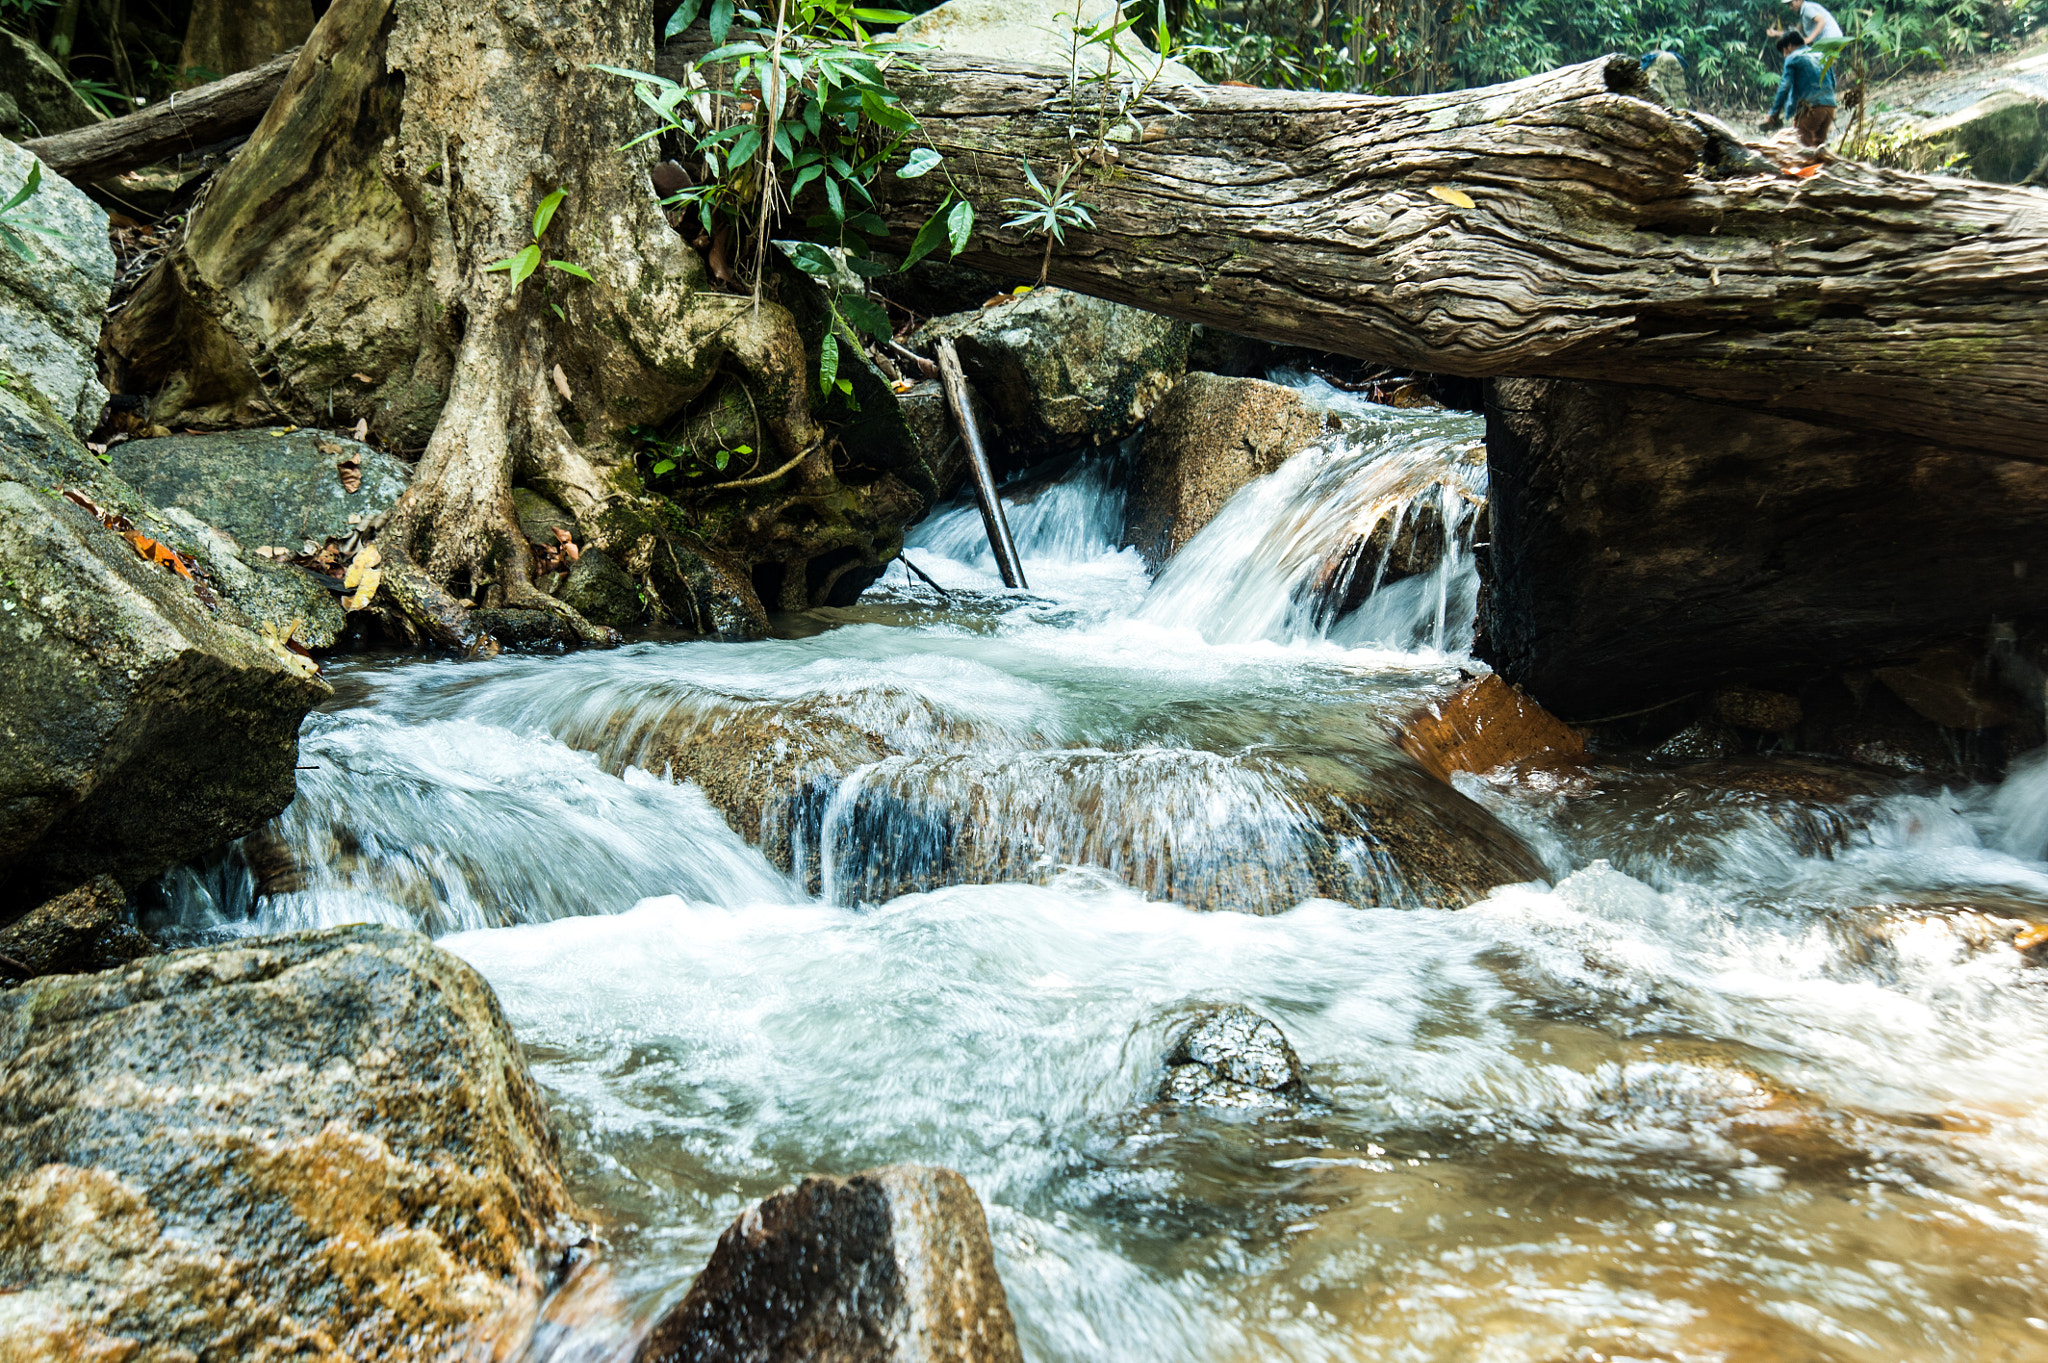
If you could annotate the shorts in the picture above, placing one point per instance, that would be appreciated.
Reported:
(1812, 123)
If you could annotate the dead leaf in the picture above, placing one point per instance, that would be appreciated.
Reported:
(158, 553)
(362, 431)
(1807, 172)
(351, 471)
(289, 650)
(562, 385)
(366, 583)
(2029, 938)
(362, 378)
(364, 563)
(1457, 198)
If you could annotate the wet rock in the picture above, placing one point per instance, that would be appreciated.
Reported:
(257, 593)
(51, 307)
(1231, 1057)
(264, 488)
(888, 1266)
(1208, 438)
(43, 102)
(1038, 32)
(1747, 707)
(540, 518)
(1485, 724)
(599, 590)
(931, 427)
(1699, 741)
(1947, 686)
(1053, 368)
(323, 1145)
(1647, 548)
(84, 930)
(138, 729)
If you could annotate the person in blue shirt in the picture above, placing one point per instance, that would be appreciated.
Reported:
(1810, 21)
(1806, 91)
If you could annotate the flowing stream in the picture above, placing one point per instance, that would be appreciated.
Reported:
(1736, 1063)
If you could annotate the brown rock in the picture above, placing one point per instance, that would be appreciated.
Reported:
(1486, 724)
(86, 929)
(1945, 685)
(320, 1146)
(889, 1266)
(1746, 707)
(1210, 437)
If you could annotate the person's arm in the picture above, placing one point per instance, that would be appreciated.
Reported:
(1811, 23)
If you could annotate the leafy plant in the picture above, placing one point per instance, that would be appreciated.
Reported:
(528, 258)
(106, 100)
(1051, 212)
(11, 232)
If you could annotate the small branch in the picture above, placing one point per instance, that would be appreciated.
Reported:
(904, 559)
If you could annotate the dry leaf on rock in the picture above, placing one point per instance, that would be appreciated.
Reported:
(1458, 198)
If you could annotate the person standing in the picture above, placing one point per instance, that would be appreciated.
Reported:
(1806, 91)
(1810, 21)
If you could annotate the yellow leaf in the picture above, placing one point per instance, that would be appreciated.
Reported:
(1457, 198)
(365, 589)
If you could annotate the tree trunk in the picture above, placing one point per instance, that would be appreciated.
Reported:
(1556, 226)
(337, 270)
(227, 36)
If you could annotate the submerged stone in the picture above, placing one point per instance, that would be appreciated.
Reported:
(892, 1265)
(1231, 1057)
(323, 1145)
(1485, 724)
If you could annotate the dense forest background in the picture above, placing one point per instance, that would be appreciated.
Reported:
(117, 52)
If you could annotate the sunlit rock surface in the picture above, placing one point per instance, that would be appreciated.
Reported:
(318, 1146)
(889, 1266)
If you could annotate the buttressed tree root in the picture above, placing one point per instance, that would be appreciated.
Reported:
(337, 270)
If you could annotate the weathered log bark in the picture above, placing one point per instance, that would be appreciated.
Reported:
(185, 122)
(1596, 245)
(338, 269)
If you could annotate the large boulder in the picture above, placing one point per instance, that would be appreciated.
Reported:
(889, 1266)
(317, 1146)
(35, 98)
(1054, 369)
(51, 307)
(1990, 123)
(138, 728)
(1208, 438)
(267, 488)
(1646, 547)
(1040, 33)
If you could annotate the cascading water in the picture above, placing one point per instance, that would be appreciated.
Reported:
(1712, 1071)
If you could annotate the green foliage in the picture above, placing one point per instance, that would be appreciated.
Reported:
(521, 265)
(11, 232)
(1415, 46)
(800, 104)
(668, 457)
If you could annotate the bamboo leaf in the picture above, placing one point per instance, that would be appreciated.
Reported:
(28, 188)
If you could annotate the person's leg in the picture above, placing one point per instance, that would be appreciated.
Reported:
(1812, 123)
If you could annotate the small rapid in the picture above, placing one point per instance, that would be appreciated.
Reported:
(1715, 1061)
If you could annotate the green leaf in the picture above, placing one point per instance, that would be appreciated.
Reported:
(864, 314)
(519, 266)
(663, 466)
(743, 148)
(731, 50)
(868, 223)
(16, 244)
(833, 199)
(721, 459)
(566, 268)
(545, 214)
(930, 237)
(881, 16)
(804, 177)
(868, 269)
(28, 188)
(682, 18)
(845, 386)
(885, 111)
(919, 162)
(721, 19)
(828, 363)
(811, 258)
(960, 225)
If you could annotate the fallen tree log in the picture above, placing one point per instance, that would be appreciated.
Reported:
(186, 122)
(1559, 226)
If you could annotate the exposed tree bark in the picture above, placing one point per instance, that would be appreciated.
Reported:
(184, 123)
(336, 270)
(227, 36)
(1596, 244)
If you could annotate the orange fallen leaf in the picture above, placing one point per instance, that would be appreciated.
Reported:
(2029, 938)
(158, 553)
(1807, 172)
